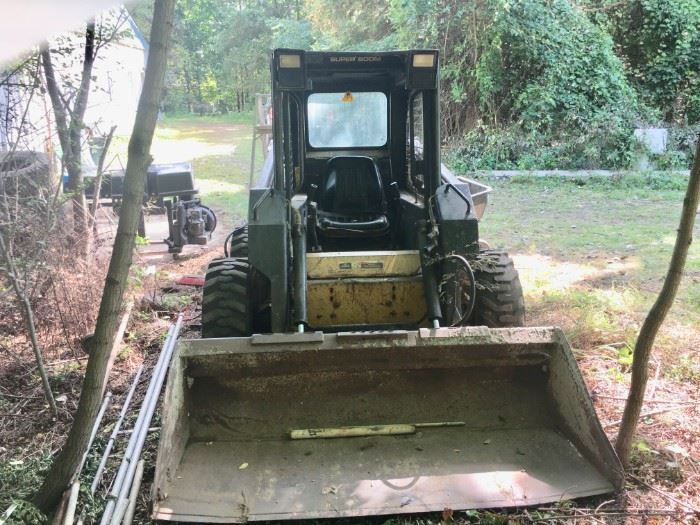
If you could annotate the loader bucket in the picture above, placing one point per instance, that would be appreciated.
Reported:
(510, 424)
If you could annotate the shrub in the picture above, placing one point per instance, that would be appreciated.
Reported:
(550, 69)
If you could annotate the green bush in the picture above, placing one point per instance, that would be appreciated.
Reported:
(608, 143)
(680, 148)
(554, 90)
(548, 68)
(659, 41)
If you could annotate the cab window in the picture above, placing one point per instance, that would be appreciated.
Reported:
(347, 120)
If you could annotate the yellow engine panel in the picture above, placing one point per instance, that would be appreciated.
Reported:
(365, 301)
(364, 288)
(330, 265)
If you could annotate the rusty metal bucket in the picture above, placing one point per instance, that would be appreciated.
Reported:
(529, 434)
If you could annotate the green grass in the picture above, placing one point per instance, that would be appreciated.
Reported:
(219, 148)
(245, 117)
(222, 158)
(21, 476)
(593, 253)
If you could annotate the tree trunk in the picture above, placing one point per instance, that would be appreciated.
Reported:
(657, 314)
(70, 133)
(63, 469)
(75, 133)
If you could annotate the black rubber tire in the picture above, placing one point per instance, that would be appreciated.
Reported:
(499, 295)
(24, 164)
(226, 308)
(237, 242)
(24, 173)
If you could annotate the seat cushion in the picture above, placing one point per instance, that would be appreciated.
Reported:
(351, 201)
(352, 186)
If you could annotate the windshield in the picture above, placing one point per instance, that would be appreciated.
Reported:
(347, 120)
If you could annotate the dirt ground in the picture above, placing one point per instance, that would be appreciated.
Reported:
(596, 286)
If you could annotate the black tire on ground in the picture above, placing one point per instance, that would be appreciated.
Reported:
(226, 308)
(237, 242)
(499, 295)
(24, 173)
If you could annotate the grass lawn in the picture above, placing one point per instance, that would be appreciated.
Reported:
(219, 148)
(600, 247)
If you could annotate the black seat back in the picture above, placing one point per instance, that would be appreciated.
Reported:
(352, 186)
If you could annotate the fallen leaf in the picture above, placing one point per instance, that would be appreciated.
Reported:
(487, 441)
(329, 490)
(243, 466)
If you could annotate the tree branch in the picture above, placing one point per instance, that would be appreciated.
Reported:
(80, 106)
(98, 177)
(28, 314)
(56, 97)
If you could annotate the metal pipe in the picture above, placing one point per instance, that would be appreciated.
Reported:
(6, 515)
(75, 487)
(125, 475)
(134, 494)
(93, 432)
(132, 446)
(428, 255)
(72, 503)
(115, 432)
(122, 500)
(116, 507)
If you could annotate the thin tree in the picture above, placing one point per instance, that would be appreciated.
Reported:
(7, 259)
(99, 175)
(69, 112)
(63, 469)
(657, 314)
(69, 123)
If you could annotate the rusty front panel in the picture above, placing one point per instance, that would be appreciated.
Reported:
(363, 302)
(332, 265)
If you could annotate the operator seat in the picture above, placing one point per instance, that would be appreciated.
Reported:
(351, 200)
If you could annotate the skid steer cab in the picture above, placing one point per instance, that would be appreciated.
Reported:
(363, 353)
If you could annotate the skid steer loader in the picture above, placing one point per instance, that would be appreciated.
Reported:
(362, 354)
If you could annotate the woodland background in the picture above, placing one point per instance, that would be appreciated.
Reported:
(528, 84)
